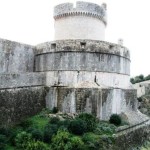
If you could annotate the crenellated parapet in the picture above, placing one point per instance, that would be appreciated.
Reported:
(82, 8)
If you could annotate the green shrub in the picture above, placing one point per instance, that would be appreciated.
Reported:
(77, 126)
(49, 131)
(54, 120)
(90, 137)
(5, 131)
(64, 124)
(105, 128)
(22, 139)
(132, 81)
(107, 139)
(63, 140)
(13, 135)
(36, 133)
(55, 110)
(44, 112)
(3, 142)
(96, 142)
(90, 120)
(76, 143)
(115, 119)
(26, 124)
(36, 145)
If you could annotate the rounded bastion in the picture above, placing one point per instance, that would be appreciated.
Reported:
(69, 62)
(84, 21)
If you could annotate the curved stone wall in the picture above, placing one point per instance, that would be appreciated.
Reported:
(82, 61)
(85, 21)
(73, 78)
(83, 46)
(82, 55)
(102, 102)
(79, 27)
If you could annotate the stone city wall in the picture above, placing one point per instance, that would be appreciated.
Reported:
(14, 80)
(19, 103)
(133, 137)
(143, 88)
(16, 57)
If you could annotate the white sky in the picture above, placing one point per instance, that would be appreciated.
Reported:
(31, 22)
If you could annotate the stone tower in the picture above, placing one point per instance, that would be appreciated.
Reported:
(84, 21)
(78, 72)
(87, 73)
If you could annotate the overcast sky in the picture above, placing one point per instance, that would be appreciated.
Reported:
(31, 22)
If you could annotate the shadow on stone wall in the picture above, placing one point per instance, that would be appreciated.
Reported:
(18, 104)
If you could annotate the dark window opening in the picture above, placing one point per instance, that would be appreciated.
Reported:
(83, 44)
(53, 46)
(111, 46)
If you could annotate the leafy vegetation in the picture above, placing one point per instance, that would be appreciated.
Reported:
(77, 126)
(139, 78)
(47, 131)
(90, 120)
(115, 119)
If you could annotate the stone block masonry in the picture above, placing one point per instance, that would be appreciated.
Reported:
(78, 72)
(20, 103)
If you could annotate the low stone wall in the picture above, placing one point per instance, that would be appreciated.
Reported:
(133, 137)
(18, 104)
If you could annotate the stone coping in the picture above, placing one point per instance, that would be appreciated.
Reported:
(13, 44)
(80, 45)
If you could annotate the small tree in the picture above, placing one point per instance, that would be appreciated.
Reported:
(115, 119)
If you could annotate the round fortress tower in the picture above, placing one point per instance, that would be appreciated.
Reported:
(84, 21)
(84, 72)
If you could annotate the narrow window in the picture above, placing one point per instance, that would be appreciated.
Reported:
(111, 46)
(83, 44)
(53, 46)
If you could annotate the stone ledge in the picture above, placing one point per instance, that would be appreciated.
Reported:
(83, 46)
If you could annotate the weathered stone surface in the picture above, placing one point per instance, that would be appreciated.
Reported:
(82, 61)
(15, 80)
(100, 101)
(20, 103)
(143, 88)
(80, 45)
(133, 137)
(72, 78)
(77, 22)
(16, 57)
(89, 8)
(84, 74)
